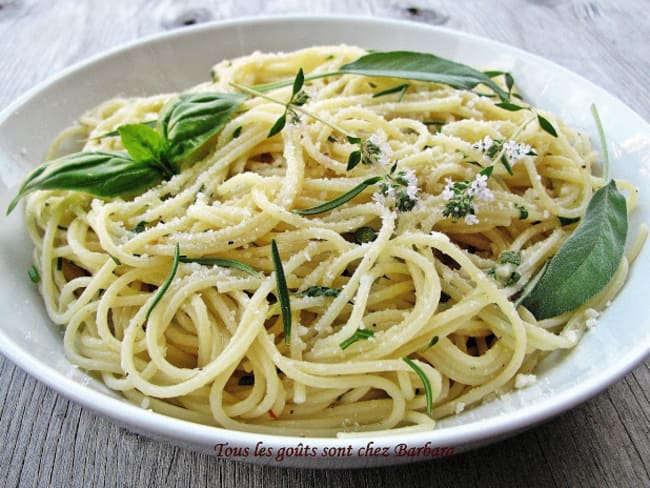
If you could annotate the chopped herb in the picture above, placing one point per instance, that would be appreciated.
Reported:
(434, 340)
(365, 234)
(115, 260)
(237, 132)
(568, 220)
(359, 334)
(283, 291)
(319, 291)
(425, 381)
(513, 257)
(34, 275)
(523, 212)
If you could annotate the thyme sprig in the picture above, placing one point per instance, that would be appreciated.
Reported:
(359, 335)
(368, 151)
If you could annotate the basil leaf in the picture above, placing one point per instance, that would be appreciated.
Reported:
(116, 132)
(193, 118)
(103, 174)
(223, 262)
(340, 200)
(143, 143)
(587, 260)
(421, 67)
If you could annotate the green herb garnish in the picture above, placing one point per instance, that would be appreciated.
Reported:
(34, 275)
(365, 234)
(587, 260)
(359, 335)
(434, 340)
(283, 292)
(168, 281)
(401, 89)
(340, 200)
(186, 123)
(222, 262)
(425, 381)
(319, 291)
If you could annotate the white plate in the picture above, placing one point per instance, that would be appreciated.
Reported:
(180, 59)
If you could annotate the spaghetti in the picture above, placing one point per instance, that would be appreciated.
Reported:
(424, 263)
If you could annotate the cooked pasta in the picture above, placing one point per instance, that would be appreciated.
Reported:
(402, 299)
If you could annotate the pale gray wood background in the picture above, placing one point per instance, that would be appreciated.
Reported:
(47, 441)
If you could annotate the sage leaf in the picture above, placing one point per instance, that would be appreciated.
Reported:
(283, 291)
(587, 260)
(103, 174)
(340, 200)
(190, 120)
(417, 66)
(222, 262)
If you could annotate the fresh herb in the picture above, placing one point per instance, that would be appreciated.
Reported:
(603, 141)
(461, 196)
(401, 89)
(222, 262)
(116, 132)
(512, 257)
(434, 340)
(237, 132)
(186, 123)
(168, 281)
(319, 291)
(359, 335)
(101, 174)
(398, 190)
(139, 227)
(283, 291)
(546, 125)
(298, 98)
(365, 234)
(411, 65)
(340, 200)
(115, 260)
(34, 275)
(425, 381)
(543, 122)
(369, 152)
(588, 258)
(523, 212)
(568, 220)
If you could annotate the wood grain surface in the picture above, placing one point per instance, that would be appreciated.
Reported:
(46, 440)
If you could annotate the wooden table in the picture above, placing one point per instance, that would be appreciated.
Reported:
(47, 441)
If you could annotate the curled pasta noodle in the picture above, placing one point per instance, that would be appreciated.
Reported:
(428, 285)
